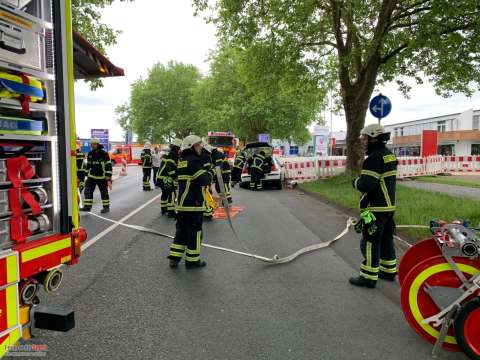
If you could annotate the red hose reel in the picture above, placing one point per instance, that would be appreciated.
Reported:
(440, 288)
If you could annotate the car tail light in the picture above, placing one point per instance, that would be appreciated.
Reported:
(245, 169)
(274, 167)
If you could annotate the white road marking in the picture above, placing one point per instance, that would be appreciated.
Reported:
(97, 237)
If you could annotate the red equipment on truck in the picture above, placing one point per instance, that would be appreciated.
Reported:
(440, 288)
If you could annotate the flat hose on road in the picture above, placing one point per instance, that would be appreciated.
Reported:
(273, 260)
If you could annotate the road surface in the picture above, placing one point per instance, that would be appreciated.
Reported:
(130, 305)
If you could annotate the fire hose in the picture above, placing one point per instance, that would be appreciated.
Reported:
(273, 260)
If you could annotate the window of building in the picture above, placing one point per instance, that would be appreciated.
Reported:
(396, 132)
(441, 126)
(476, 149)
(475, 122)
(447, 150)
(401, 131)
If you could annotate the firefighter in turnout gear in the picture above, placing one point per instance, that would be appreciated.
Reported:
(377, 183)
(192, 179)
(237, 170)
(256, 171)
(167, 177)
(147, 162)
(81, 170)
(99, 173)
(208, 165)
(220, 160)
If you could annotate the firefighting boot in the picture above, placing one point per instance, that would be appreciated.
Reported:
(362, 282)
(105, 210)
(171, 215)
(386, 277)
(195, 265)
(86, 209)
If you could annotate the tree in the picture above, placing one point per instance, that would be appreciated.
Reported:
(86, 19)
(161, 106)
(250, 92)
(363, 43)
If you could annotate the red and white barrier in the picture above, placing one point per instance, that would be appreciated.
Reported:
(301, 169)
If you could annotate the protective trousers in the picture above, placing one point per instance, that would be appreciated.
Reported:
(167, 200)
(256, 179)
(378, 248)
(188, 237)
(90, 186)
(147, 175)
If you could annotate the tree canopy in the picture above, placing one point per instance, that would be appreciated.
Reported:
(250, 92)
(360, 44)
(161, 106)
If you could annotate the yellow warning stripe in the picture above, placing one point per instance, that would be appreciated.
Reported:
(12, 269)
(11, 339)
(12, 306)
(45, 250)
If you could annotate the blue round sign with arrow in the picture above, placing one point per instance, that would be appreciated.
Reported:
(380, 106)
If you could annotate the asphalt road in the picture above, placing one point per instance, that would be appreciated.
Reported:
(468, 192)
(130, 305)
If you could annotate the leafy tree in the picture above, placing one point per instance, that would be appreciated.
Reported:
(249, 92)
(161, 106)
(362, 43)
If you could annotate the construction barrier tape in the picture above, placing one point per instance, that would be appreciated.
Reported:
(273, 260)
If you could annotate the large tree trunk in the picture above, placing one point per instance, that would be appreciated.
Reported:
(355, 116)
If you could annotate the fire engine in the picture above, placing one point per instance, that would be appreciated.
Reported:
(39, 218)
(225, 141)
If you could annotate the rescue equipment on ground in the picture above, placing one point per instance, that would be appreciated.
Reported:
(440, 288)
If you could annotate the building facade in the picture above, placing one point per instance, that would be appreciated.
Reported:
(458, 134)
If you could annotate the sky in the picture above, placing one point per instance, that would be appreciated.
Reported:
(163, 30)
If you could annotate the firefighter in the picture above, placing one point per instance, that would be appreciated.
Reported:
(377, 183)
(99, 173)
(256, 171)
(167, 177)
(237, 170)
(81, 170)
(208, 166)
(220, 160)
(192, 178)
(146, 158)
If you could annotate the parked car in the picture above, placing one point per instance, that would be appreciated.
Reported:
(273, 170)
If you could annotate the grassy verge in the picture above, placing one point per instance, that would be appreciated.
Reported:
(450, 180)
(414, 207)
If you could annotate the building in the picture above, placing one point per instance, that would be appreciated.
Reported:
(458, 134)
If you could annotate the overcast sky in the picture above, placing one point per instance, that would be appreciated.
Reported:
(163, 30)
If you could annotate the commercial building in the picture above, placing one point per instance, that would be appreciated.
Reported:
(458, 134)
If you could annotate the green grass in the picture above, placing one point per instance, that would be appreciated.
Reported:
(414, 207)
(450, 180)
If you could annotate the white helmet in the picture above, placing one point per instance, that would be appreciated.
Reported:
(147, 145)
(176, 142)
(94, 141)
(373, 130)
(189, 141)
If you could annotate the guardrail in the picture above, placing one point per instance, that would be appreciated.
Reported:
(301, 169)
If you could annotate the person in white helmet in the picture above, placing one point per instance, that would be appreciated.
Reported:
(192, 178)
(146, 158)
(377, 183)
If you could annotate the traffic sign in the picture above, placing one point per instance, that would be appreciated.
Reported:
(264, 138)
(102, 136)
(380, 106)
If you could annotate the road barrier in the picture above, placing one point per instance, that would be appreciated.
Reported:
(302, 169)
